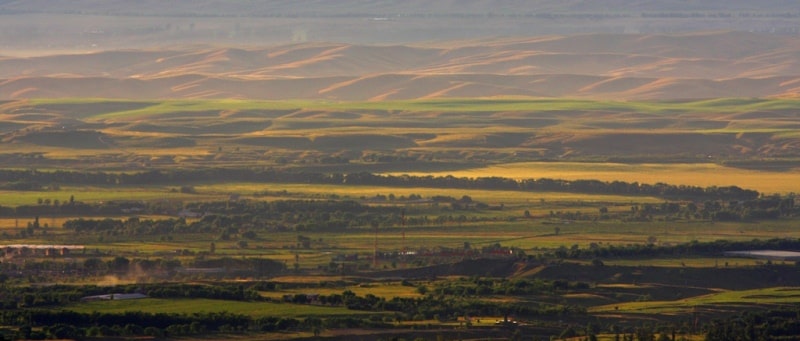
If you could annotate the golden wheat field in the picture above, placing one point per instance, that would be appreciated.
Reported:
(704, 175)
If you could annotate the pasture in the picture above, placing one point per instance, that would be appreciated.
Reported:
(140, 109)
(763, 298)
(387, 290)
(182, 306)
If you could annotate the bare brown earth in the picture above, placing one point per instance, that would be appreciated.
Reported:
(598, 66)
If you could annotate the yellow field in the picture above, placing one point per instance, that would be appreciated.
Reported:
(704, 175)
(93, 194)
(386, 290)
(356, 192)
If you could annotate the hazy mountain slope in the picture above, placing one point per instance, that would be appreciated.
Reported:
(617, 66)
(42, 26)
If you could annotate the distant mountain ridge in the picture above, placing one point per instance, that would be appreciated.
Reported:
(614, 66)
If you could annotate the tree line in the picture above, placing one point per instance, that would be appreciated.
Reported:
(763, 208)
(241, 219)
(693, 248)
(31, 178)
(778, 324)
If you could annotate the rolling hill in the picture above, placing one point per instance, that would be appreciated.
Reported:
(595, 66)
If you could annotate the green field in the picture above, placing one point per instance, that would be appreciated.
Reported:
(182, 306)
(150, 108)
(385, 290)
(769, 297)
(458, 133)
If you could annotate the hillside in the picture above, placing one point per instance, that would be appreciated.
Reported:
(596, 66)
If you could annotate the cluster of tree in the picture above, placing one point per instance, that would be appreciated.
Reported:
(550, 185)
(21, 186)
(217, 292)
(25, 297)
(72, 207)
(364, 178)
(433, 306)
(764, 208)
(230, 219)
(373, 157)
(771, 207)
(298, 214)
(73, 325)
(243, 218)
(756, 325)
(694, 248)
(639, 333)
(492, 286)
(128, 227)
(17, 297)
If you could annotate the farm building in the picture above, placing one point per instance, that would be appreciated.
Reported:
(109, 297)
(38, 250)
(766, 254)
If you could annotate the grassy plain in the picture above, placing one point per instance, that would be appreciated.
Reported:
(180, 306)
(768, 297)
(386, 290)
(142, 109)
